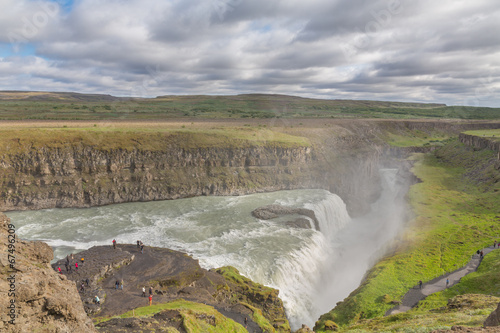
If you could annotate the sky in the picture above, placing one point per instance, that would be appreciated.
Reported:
(444, 51)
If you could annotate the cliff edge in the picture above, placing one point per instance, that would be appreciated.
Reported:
(33, 297)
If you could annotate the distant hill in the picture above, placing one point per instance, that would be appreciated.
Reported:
(18, 105)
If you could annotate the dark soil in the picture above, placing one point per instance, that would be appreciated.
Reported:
(170, 274)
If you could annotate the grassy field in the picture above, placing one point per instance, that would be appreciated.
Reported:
(455, 214)
(72, 106)
(191, 313)
(142, 136)
(492, 134)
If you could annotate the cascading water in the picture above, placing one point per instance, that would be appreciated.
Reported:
(313, 270)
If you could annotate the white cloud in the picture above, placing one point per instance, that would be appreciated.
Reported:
(384, 49)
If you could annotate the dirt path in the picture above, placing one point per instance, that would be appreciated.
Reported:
(416, 294)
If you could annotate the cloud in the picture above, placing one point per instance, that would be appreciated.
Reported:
(383, 49)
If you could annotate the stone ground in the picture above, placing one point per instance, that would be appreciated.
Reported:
(416, 294)
(103, 266)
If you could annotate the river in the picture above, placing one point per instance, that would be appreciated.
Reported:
(313, 270)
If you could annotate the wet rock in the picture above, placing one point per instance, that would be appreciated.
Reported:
(273, 211)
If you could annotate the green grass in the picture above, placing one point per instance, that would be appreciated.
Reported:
(189, 312)
(492, 133)
(455, 215)
(70, 106)
(106, 138)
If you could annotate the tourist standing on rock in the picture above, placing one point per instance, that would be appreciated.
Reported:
(481, 254)
(138, 244)
(121, 284)
(59, 269)
(150, 300)
(447, 283)
(150, 291)
(114, 243)
(82, 260)
(97, 300)
(82, 288)
(142, 247)
(87, 281)
(72, 256)
(117, 284)
(67, 266)
(420, 284)
(143, 291)
(76, 266)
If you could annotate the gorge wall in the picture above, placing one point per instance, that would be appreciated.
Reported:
(344, 160)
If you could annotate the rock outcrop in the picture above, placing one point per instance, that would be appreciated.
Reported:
(273, 211)
(173, 277)
(33, 297)
(493, 319)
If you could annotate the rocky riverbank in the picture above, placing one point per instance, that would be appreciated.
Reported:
(183, 293)
(171, 276)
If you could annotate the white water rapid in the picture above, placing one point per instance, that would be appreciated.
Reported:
(313, 270)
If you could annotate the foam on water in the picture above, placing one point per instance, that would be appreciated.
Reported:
(307, 266)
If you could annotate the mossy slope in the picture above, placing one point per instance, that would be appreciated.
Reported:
(456, 208)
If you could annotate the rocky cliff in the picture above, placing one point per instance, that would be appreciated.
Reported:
(33, 297)
(83, 176)
(343, 157)
(479, 142)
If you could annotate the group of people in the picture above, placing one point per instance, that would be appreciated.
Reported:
(119, 284)
(69, 264)
(150, 294)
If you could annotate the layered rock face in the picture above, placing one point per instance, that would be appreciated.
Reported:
(83, 176)
(33, 297)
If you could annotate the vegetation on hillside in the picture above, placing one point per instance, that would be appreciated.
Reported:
(71, 106)
(456, 213)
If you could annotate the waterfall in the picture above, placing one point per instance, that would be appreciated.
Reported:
(298, 274)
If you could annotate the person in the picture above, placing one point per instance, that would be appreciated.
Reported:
(117, 284)
(87, 281)
(121, 284)
(82, 287)
(143, 291)
(246, 321)
(481, 254)
(495, 244)
(82, 260)
(67, 259)
(76, 266)
(150, 290)
(72, 258)
(138, 244)
(150, 300)
(114, 243)
(67, 266)
(142, 248)
(59, 269)
(97, 300)
(420, 284)
(447, 283)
